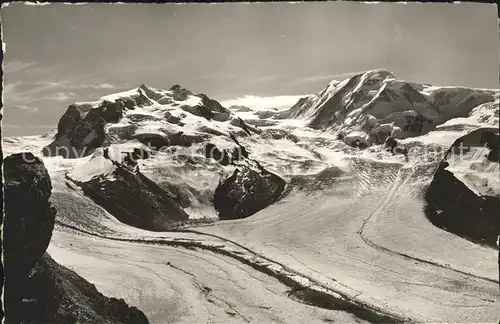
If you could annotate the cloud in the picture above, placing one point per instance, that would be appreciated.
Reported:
(59, 96)
(9, 88)
(23, 94)
(218, 75)
(15, 99)
(267, 78)
(16, 126)
(22, 107)
(69, 85)
(15, 66)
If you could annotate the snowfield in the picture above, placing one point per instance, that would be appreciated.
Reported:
(347, 242)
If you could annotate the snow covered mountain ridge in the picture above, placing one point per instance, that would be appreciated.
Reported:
(368, 107)
(376, 104)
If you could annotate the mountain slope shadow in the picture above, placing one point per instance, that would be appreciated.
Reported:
(453, 202)
(133, 199)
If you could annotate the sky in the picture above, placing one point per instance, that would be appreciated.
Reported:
(59, 53)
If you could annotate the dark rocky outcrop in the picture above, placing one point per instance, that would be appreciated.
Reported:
(80, 132)
(246, 192)
(81, 129)
(239, 152)
(392, 145)
(277, 134)
(140, 118)
(453, 206)
(119, 134)
(212, 104)
(29, 217)
(150, 93)
(173, 119)
(249, 189)
(238, 122)
(132, 157)
(134, 199)
(153, 141)
(239, 108)
(179, 93)
(160, 141)
(68, 298)
(140, 100)
(200, 111)
(209, 109)
(37, 289)
(224, 156)
(181, 193)
(212, 152)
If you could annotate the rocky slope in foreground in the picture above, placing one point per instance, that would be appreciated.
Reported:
(37, 289)
(464, 195)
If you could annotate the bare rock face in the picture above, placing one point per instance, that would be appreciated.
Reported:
(249, 189)
(29, 217)
(453, 202)
(80, 132)
(180, 93)
(393, 146)
(37, 289)
(81, 129)
(219, 113)
(134, 199)
(238, 122)
(277, 134)
(213, 152)
(246, 192)
(161, 141)
(71, 299)
(208, 108)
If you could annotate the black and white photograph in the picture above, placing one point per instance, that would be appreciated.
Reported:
(267, 162)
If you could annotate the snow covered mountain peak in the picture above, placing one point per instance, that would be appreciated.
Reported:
(376, 104)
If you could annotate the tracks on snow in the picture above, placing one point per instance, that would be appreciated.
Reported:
(313, 293)
(397, 184)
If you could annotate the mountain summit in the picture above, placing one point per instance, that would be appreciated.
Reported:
(376, 104)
